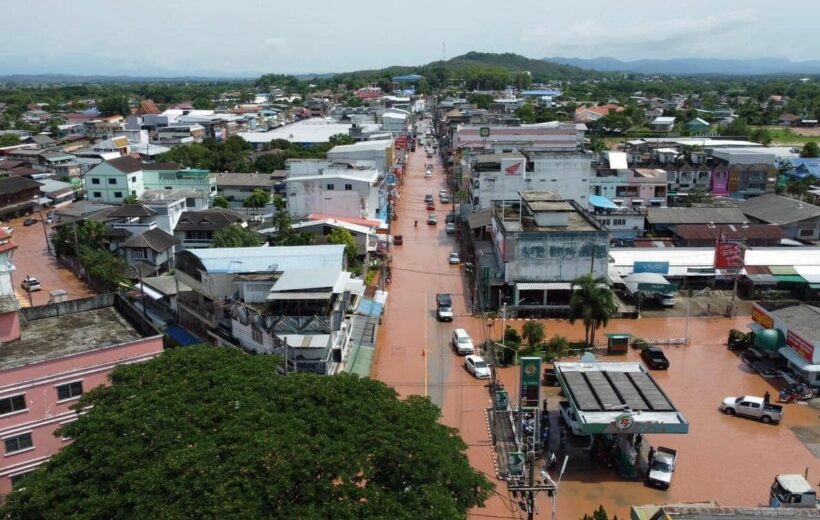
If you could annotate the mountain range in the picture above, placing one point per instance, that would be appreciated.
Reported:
(691, 66)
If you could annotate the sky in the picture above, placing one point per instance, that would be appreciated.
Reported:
(250, 37)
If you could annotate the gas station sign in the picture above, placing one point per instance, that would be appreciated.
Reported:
(530, 382)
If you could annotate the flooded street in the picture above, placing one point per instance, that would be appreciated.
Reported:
(730, 460)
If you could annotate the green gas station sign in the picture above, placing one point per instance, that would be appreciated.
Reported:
(530, 382)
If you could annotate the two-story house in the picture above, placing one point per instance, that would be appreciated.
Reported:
(114, 180)
(134, 234)
(18, 196)
(349, 192)
(195, 229)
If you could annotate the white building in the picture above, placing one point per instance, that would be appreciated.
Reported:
(379, 153)
(500, 177)
(337, 192)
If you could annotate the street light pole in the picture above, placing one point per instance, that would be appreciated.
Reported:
(557, 487)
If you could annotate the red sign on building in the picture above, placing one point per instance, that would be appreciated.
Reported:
(800, 345)
(401, 141)
(728, 254)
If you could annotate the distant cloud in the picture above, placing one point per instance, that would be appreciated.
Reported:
(664, 34)
(276, 43)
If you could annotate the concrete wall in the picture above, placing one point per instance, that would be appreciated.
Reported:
(556, 257)
(312, 196)
(68, 307)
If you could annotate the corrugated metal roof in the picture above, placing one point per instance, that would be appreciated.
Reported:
(775, 209)
(268, 259)
(730, 231)
(543, 286)
(695, 216)
(299, 279)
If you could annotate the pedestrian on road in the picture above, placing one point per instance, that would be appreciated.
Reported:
(545, 404)
(766, 397)
(651, 454)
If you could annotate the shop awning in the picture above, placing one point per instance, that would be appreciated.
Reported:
(790, 278)
(544, 286)
(782, 270)
(602, 202)
(755, 327)
(647, 282)
(794, 358)
(762, 279)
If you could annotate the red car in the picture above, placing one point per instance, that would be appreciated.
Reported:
(431, 205)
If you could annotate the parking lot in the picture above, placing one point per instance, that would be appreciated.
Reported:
(728, 459)
(32, 258)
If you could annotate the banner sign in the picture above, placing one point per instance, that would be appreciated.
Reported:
(728, 255)
(651, 267)
(760, 317)
(803, 348)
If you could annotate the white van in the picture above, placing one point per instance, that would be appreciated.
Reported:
(462, 342)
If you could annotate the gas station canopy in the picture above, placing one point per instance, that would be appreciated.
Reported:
(618, 398)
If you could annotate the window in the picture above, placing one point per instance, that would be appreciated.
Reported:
(112, 181)
(18, 443)
(806, 232)
(138, 254)
(619, 222)
(69, 390)
(134, 178)
(134, 192)
(257, 335)
(190, 202)
(329, 186)
(97, 195)
(12, 404)
(95, 180)
(16, 480)
(117, 194)
(348, 187)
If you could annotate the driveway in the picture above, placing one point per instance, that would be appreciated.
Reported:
(32, 258)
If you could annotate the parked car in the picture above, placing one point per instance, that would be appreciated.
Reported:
(451, 217)
(31, 284)
(655, 358)
(29, 222)
(428, 174)
(454, 258)
(52, 219)
(432, 219)
(445, 199)
(450, 228)
(754, 407)
(398, 240)
(442, 192)
(428, 197)
(550, 377)
(477, 366)
(661, 467)
(431, 206)
(462, 343)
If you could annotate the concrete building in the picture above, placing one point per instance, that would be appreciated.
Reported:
(112, 181)
(379, 153)
(498, 177)
(236, 187)
(799, 220)
(18, 196)
(798, 341)
(541, 248)
(629, 187)
(195, 229)
(337, 192)
(66, 350)
(549, 137)
(258, 297)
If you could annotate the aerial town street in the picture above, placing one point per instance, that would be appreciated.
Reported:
(726, 459)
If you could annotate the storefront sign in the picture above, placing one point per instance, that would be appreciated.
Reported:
(728, 255)
(803, 348)
(651, 267)
(760, 317)
(624, 422)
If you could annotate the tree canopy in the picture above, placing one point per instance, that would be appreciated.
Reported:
(810, 149)
(235, 236)
(207, 432)
(593, 303)
(343, 236)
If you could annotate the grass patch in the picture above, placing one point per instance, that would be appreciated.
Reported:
(786, 136)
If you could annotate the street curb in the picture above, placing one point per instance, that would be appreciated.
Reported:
(487, 412)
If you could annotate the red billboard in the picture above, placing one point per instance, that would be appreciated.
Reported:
(728, 254)
(800, 345)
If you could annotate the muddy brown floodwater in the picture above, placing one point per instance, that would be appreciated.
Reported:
(726, 459)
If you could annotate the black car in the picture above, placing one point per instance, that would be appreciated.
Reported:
(29, 221)
(550, 378)
(655, 358)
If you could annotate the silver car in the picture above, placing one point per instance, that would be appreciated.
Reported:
(477, 366)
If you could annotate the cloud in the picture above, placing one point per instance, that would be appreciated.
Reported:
(640, 35)
(276, 43)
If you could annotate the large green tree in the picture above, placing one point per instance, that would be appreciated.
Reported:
(343, 236)
(593, 303)
(533, 332)
(206, 432)
(258, 198)
(9, 140)
(810, 149)
(114, 105)
(235, 236)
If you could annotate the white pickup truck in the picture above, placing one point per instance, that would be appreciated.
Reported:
(661, 467)
(754, 407)
(571, 419)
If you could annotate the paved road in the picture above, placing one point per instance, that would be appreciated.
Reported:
(32, 258)
(726, 459)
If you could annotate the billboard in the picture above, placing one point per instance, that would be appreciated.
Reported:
(651, 267)
(762, 318)
(728, 254)
(803, 348)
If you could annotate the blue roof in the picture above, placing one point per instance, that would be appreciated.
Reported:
(369, 308)
(803, 167)
(182, 336)
(602, 202)
(541, 92)
(407, 77)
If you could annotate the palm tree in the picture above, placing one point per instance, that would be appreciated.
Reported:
(593, 303)
(533, 332)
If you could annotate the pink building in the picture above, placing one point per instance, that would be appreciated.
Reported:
(64, 350)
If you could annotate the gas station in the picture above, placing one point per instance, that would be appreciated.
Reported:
(616, 404)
